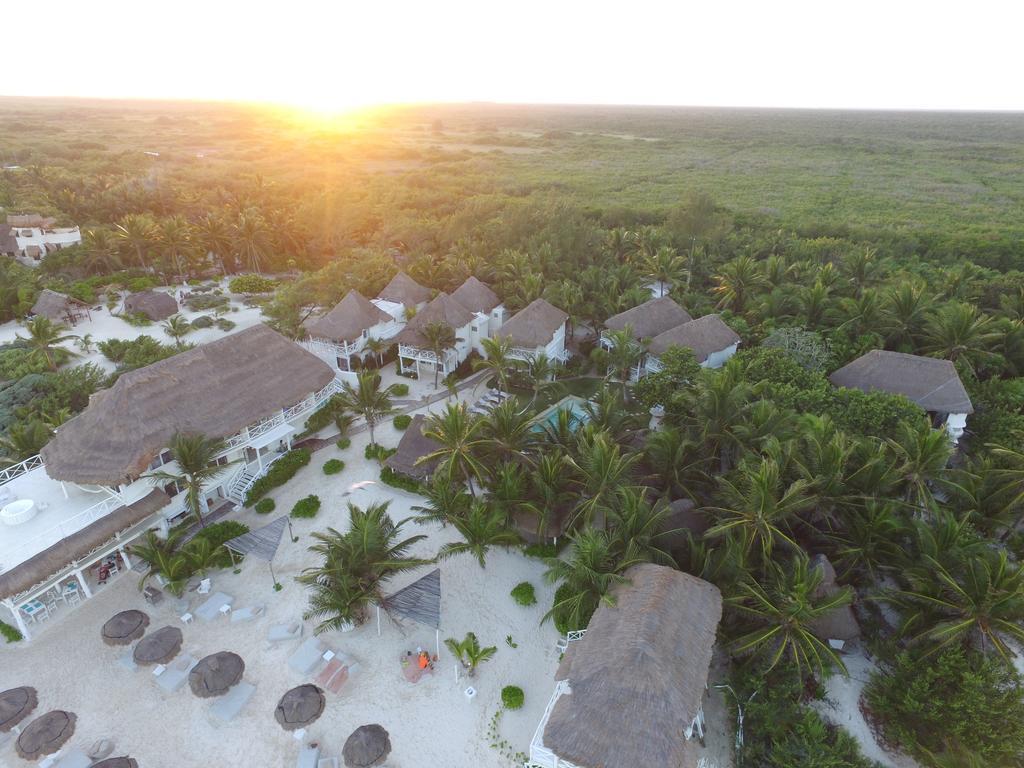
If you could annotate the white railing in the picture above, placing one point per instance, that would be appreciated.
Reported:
(243, 480)
(17, 470)
(541, 756)
(26, 549)
(652, 364)
(575, 634)
(424, 355)
(333, 348)
(301, 408)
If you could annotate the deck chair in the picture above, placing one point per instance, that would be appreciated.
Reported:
(307, 657)
(282, 633)
(327, 762)
(76, 758)
(308, 757)
(174, 677)
(226, 708)
(247, 614)
(204, 587)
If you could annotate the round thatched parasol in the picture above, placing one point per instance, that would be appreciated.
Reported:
(46, 734)
(300, 706)
(116, 762)
(215, 674)
(158, 647)
(124, 628)
(15, 705)
(368, 745)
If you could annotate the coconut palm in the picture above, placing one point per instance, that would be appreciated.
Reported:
(377, 348)
(640, 527)
(196, 457)
(251, 237)
(461, 437)
(483, 526)
(869, 541)
(367, 399)
(601, 470)
(549, 493)
(101, 250)
(606, 412)
(624, 355)
(469, 653)
(174, 237)
(445, 502)
(905, 312)
(136, 232)
(497, 359)
(507, 432)
(860, 268)
(737, 281)
(959, 332)
(540, 372)
(23, 441)
(665, 267)
(716, 409)
(177, 327)
(676, 462)
(440, 337)
(922, 454)
(44, 336)
(213, 236)
(165, 558)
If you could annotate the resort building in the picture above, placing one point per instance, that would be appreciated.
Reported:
(930, 383)
(630, 688)
(644, 322)
(712, 341)
(87, 495)
(156, 305)
(538, 327)
(35, 235)
(488, 311)
(402, 294)
(343, 333)
(416, 349)
(59, 308)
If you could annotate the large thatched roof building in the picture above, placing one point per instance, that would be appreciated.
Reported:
(630, 691)
(931, 383)
(353, 315)
(413, 446)
(59, 308)
(215, 389)
(404, 290)
(443, 309)
(650, 318)
(156, 305)
(706, 336)
(476, 296)
(535, 326)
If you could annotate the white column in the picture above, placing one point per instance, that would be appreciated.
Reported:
(259, 459)
(84, 584)
(22, 627)
(124, 556)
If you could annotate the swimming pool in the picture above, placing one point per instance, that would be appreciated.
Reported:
(549, 416)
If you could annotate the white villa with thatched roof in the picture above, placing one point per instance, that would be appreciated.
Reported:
(36, 236)
(415, 348)
(485, 305)
(404, 294)
(343, 333)
(85, 497)
(537, 328)
(630, 688)
(712, 341)
(644, 322)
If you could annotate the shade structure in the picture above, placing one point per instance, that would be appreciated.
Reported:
(300, 707)
(261, 543)
(117, 762)
(15, 705)
(125, 627)
(158, 647)
(46, 734)
(215, 674)
(420, 601)
(368, 745)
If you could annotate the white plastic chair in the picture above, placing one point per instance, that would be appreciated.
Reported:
(204, 587)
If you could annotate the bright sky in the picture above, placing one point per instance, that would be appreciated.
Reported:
(334, 54)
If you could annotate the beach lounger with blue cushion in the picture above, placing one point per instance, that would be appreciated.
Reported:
(307, 657)
(227, 707)
(210, 609)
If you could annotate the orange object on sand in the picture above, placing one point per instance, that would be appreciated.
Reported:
(424, 660)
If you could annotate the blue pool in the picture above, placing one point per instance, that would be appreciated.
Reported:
(549, 416)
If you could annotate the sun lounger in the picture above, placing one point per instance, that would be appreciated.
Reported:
(307, 657)
(210, 610)
(173, 678)
(327, 762)
(247, 614)
(76, 758)
(308, 757)
(478, 411)
(227, 707)
(282, 633)
(127, 661)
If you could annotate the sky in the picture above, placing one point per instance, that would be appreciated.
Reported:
(336, 54)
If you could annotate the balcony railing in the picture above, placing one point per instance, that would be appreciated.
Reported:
(10, 473)
(301, 408)
(332, 348)
(541, 756)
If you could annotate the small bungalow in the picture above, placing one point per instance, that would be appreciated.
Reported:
(484, 303)
(931, 383)
(538, 327)
(414, 348)
(404, 293)
(59, 308)
(343, 332)
(156, 305)
(629, 691)
(712, 341)
(648, 319)
(413, 446)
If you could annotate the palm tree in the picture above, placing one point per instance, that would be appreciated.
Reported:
(195, 455)
(548, 494)
(602, 470)
(213, 237)
(624, 355)
(367, 399)
(665, 267)
(23, 441)
(922, 454)
(640, 527)
(251, 238)
(461, 435)
(43, 337)
(165, 558)
(377, 348)
(469, 652)
(540, 372)
(177, 327)
(719, 406)
(175, 241)
(869, 542)
(860, 267)
(606, 412)
(101, 250)
(483, 526)
(737, 281)
(439, 337)
(959, 332)
(497, 359)
(445, 503)
(905, 313)
(136, 232)
(675, 461)
(508, 433)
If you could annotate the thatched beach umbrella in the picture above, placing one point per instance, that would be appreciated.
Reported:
(368, 745)
(15, 705)
(300, 707)
(215, 674)
(116, 762)
(158, 647)
(46, 734)
(125, 627)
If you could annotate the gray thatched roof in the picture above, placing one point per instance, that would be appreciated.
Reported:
(420, 601)
(650, 318)
(534, 325)
(931, 383)
(261, 543)
(52, 560)
(158, 647)
(404, 290)
(349, 318)
(56, 306)
(443, 309)
(413, 446)
(705, 336)
(637, 676)
(367, 746)
(215, 389)
(46, 734)
(476, 296)
(30, 220)
(8, 241)
(156, 305)
(15, 705)
(839, 624)
(125, 627)
(300, 706)
(216, 674)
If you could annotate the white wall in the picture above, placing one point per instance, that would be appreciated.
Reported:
(956, 423)
(718, 359)
(62, 237)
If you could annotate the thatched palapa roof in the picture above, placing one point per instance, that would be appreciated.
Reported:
(443, 309)
(56, 306)
(30, 220)
(931, 383)
(156, 305)
(534, 325)
(215, 389)
(413, 446)
(637, 676)
(404, 290)
(705, 336)
(8, 241)
(349, 318)
(476, 296)
(650, 318)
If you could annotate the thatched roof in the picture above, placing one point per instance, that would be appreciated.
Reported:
(8, 241)
(158, 647)
(839, 624)
(705, 336)
(56, 306)
(156, 305)
(124, 628)
(420, 601)
(367, 746)
(15, 705)
(443, 309)
(534, 325)
(52, 560)
(650, 318)
(30, 220)
(349, 318)
(637, 676)
(300, 707)
(46, 734)
(931, 383)
(476, 296)
(413, 446)
(216, 674)
(215, 389)
(404, 290)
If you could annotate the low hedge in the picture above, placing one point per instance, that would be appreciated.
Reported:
(400, 389)
(322, 416)
(265, 506)
(402, 421)
(307, 507)
(279, 473)
(203, 321)
(378, 452)
(251, 284)
(344, 443)
(512, 697)
(9, 633)
(523, 593)
(388, 476)
(333, 466)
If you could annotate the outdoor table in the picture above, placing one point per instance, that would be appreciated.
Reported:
(34, 608)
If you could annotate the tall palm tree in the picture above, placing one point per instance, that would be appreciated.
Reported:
(507, 433)
(177, 327)
(497, 359)
(860, 267)
(922, 454)
(540, 373)
(461, 437)
(196, 457)
(367, 399)
(665, 267)
(717, 409)
(175, 238)
(905, 312)
(624, 356)
(44, 336)
(737, 281)
(869, 541)
(675, 461)
(213, 236)
(136, 231)
(439, 337)
(377, 348)
(549, 493)
(601, 470)
(101, 250)
(252, 239)
(483, 526)
(960, 332)
(640, 527)
(445, 502)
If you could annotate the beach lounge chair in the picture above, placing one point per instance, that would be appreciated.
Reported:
(282, 633)
(308, 757)
(127, 661)
(210, 609)
(307, 657)
(478, 411)
(173, 678)
(76, 758)
(247, 614)
(227, 707)
(327, 762)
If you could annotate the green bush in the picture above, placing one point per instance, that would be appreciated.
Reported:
(559, 616)
(252, 284)
(265, 506)
(307, 507)
(344, 443)
(524, 594)
(216, 534)
(512, 697)
(378, 452)
(224, 324)
(388, 476)
(9, 633)
(205, 302)
(137, 319)
(402, 421)
(323, 416)
(140, 284)
(279, 473)
(400, 389)
(333, 466)
(203, 321)
(541, 551)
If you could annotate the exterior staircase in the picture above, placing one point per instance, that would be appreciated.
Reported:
(242, 482)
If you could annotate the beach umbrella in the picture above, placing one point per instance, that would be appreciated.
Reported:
(125, 627)
(215, 674)
(117, 762)
(15, 705)
(368, 745)
(158, 647)
(300, 707)
(261, 543)
(46, 734)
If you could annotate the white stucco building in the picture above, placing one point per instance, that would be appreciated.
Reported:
(712, 341)
(538, 327)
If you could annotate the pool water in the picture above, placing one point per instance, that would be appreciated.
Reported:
(549, 417)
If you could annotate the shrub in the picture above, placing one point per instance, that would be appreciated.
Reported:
(140, 284)
(378, 452)
(205, 302)
(333, 466)
(559, 616)
(512, 697)
(203, 321)
(402, 421)
(400, 389)
(344, 443)
(279, 473)
(224, 324)
(265, 506)
(9, 633)
(306, 507)
(216, 534)
(388, 476)
(252, 284)
(323, 416)
(137, 319)
(524, 594)
(541, 551)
